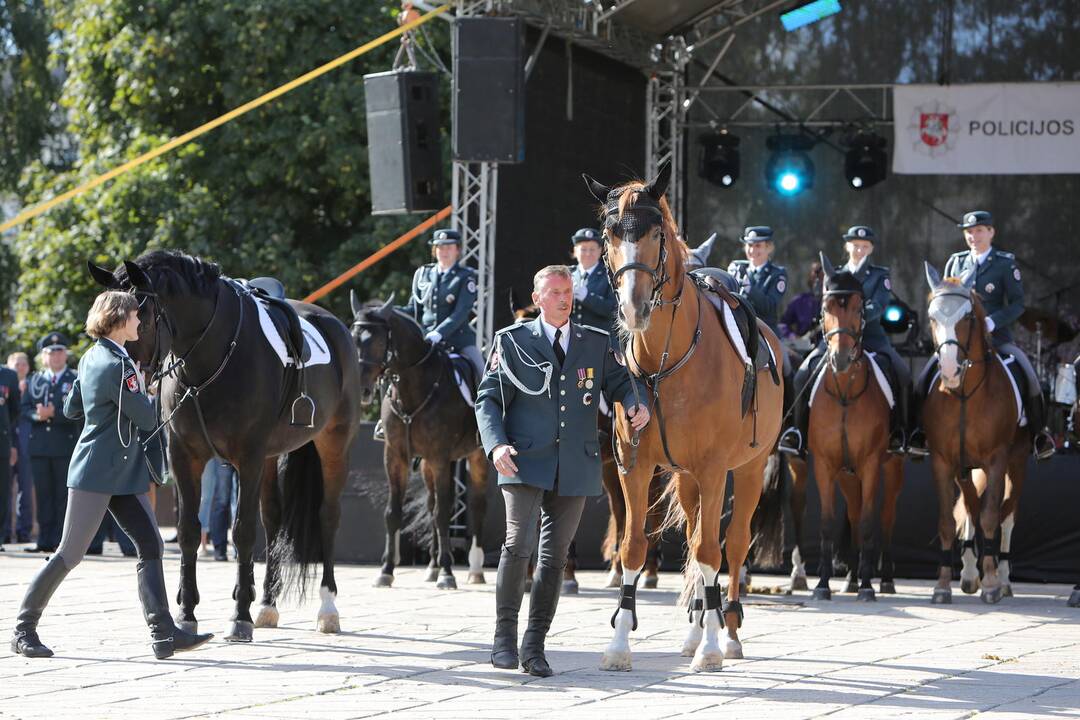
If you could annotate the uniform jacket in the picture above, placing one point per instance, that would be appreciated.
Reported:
(877, 292)
(599, 307)
(554, 432)
(765, 291)
(108, 457)
(9, 406)
(998, 283)
(443, 304)
(56, 436)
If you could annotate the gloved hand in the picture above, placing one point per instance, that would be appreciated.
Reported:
(433, 337)
(580, 291)
(989, 324)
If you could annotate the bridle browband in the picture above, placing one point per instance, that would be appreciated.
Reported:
(658, 275)
(855, 335)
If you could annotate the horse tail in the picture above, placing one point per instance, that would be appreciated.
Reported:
(767, 526)
(675, 518)
(299, 544)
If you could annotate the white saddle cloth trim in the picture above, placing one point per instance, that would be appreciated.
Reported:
(879, 376)
(1012, 381)
(734, 334)
(320, 350)
(462, 385)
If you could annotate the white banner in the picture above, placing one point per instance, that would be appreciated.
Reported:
(1006, 129)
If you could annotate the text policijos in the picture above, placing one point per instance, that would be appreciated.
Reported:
(1005, 128)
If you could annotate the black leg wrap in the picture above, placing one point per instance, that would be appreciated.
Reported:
(627, 601)
(1004, 556)
(695, 606)
(736, 607)
(947, 558)
(993, 547)
(712, 602)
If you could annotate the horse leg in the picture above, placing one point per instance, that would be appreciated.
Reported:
(705, 551)
(655, 520)
(570, 583)
(964, 515)
(440, 476)
(397, 475)
(248, 472)
(478, 482)
(747, 487)
(990, 524)
(851, 489)
(187, 470)
(868, 554)
(943, 472)
(270, 506)
(824, 474)
(894, 482)
(1014, 483)
(635, 486)
(688, 496)
(799, 475)
(433, 539)
(333, 449)
(616, 522)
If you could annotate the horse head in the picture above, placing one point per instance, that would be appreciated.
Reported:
(957, 325)
(371, 331)
(842, 318)
(155, 334)
(638, 226)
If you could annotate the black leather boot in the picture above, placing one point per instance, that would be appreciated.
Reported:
(1043, 445)
(916, 438)
(509, 587)
(543, 601)
(793, 441)
(26, 642)
(168, 638)
(898, 421)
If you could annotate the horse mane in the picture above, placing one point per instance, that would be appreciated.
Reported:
(678, 250)
(177, 273)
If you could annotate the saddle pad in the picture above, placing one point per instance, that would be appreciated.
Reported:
(764, 353)
(460, 378)
(320, 352)
(879, 376)
(1012, 381)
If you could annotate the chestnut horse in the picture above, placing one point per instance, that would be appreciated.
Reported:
(675, 342)
(849, 438)
(971, 421)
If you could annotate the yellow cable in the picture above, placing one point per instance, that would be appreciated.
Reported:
(232, 114)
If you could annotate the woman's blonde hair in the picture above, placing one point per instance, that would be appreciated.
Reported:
(109, 311)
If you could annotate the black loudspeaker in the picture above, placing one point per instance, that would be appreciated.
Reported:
(404, 151)
(489, 90)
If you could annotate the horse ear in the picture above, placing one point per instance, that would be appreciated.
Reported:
(355, 304)
(102, 276)
(933, 277)
(826, 265)
(659, 185)
(138, 279)
(387, 307)
(968, 278)
(598, 191)
(513, 301)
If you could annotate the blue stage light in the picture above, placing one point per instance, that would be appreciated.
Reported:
(809, 13)
(789, 182)
(789, 170)
(893, 313)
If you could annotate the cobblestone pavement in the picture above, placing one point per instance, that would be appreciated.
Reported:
(416, 652)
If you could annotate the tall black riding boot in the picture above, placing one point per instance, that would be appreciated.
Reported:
(1043, 445)
(26, 641)
(916, 438)
(898, 420)
(794, 439)
(509, 587)
(168, 638)
(542, 603)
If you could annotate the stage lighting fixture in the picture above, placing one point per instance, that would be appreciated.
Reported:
(897, 317)
(808, 13)
(718, 159)
(866, 162)
(789, 169)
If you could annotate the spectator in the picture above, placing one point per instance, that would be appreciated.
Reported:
(24, 480)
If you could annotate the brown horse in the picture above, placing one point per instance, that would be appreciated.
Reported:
(676, 344)
(849, 438)
(971, 422)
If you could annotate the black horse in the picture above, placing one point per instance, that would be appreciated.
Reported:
(425, 416)
(225, 392)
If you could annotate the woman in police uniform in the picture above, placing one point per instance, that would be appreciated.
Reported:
(764, 283)
(108, 472)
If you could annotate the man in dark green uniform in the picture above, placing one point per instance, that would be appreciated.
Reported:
(9, 420)
(998, 283)
(52, 438)
(536, 411)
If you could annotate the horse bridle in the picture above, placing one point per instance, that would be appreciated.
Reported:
(966, 362)
(658, 275)
(856, 336)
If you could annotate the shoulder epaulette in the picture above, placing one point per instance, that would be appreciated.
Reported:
(594, 329)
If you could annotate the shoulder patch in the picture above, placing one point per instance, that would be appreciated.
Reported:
(781, 285)
(472, 285)
(131, 378)
(1006, 254)
(888, 283)
(594, 329)
(1016, 273)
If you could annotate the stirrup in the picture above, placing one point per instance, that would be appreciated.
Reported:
(791, 442)
(897, 448)
(918, 451)
(380, 432)
(1045, 452)
(310, 423)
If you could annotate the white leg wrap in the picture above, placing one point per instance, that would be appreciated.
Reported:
(617, 654)
(970, 571)
(709, 656)
(476, 557)
(328, 620)
(1006, 544)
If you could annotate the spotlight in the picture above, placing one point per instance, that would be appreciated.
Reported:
(718, 160)
(866, 162)
(789, 169)
(897, 317)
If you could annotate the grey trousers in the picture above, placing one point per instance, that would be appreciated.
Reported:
(558, 522)
(85, 511)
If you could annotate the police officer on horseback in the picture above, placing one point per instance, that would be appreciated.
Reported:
(764, 283)
(442, 298)
(1001, 290)
(594, 300)
(877, 291)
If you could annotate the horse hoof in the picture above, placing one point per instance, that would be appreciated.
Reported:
(1006, 591)
(822, 593)
(708, 662)
(570, 587)
(432, 574)
(689, 649)
(941, 596)
(383, 580)
(1074, 599)
(614, 580)
(888, 587)
(268, 617)
(615, 661)
(970, 586)
(242, 632)
(732, 649)
(992, 597)
(851, 587)
(476, 578)
(191, 626)
(329, 623)
(866, 595)
(446, 582)
(650, 582)
(799, 583)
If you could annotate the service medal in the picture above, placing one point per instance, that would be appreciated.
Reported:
(586, 399)
(450, 298)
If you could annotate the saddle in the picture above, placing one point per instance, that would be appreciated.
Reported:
(466, 374)
(717, 286)
(284, 317)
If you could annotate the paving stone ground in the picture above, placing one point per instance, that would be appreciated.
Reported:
(415, 652)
